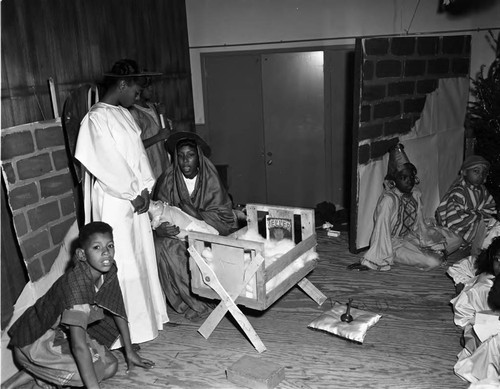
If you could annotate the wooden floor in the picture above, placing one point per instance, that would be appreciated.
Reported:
(414, 345)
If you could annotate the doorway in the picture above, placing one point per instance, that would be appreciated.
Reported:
(278, 121)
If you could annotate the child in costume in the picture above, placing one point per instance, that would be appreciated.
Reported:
(479, 360)
(467, 207)
(155, 128)
(400, 234)
(52, 340)
(117, 186)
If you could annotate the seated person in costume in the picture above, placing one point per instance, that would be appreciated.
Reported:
(400, 234)
(476, 296)
(57, 340)
(467, 207)
(192, 184)
(155, 128)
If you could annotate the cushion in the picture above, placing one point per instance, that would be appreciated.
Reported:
(329, 321)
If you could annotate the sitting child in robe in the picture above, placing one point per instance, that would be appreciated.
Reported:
(480, 293)
(400, 234)
(160, 212)
(51, 340)
(467, 208)
(466, 268)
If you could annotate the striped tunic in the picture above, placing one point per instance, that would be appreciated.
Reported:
(463, 207)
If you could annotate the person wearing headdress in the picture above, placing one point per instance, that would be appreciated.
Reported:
(117, 185)
(467, 207)
(192, 184)
(400, 234)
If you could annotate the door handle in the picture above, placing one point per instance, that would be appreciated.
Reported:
(269, 161)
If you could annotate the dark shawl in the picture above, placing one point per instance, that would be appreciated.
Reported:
(74, 287)
(209, 197)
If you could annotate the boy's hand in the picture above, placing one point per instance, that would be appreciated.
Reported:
(134, 359)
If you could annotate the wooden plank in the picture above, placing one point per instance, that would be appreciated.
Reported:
(312, 291)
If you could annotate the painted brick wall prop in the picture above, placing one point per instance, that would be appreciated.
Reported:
(397, 73)
(40, 190)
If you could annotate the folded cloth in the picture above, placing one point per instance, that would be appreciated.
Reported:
(330, 321)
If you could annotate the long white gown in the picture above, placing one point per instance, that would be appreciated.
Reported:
(117, 170)
(477, 360)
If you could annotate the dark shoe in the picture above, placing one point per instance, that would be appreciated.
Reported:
(358, 266)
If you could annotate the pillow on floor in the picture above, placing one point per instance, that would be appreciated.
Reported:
(329, 321)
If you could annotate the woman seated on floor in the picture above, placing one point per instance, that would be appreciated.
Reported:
(192, 184)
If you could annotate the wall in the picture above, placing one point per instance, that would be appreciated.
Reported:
(40, 191)
(398, 73)
(76, 41)
(234, 25)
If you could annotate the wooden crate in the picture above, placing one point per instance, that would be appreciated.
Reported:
(229, 257)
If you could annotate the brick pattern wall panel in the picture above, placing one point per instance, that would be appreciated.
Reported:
(40, 191)
(397, 73)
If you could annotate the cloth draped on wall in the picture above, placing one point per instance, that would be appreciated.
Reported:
(117, 170)
(215, 207)
(435, 147)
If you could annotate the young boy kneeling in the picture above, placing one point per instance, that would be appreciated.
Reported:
(51, 341)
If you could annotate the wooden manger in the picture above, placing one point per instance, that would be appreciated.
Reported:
(236, 266)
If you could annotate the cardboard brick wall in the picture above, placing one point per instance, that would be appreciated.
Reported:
(40, 191)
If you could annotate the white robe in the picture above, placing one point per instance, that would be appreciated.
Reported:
(477, 360)
(109, 146)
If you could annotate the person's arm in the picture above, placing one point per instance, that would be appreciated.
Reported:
(162, 135)
(81, 353)
(133, 359)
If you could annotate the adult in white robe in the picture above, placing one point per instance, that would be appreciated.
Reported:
(117, 172)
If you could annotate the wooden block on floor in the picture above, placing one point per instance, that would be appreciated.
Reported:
(255, 373)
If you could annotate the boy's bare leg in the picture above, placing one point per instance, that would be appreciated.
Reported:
(18, 379)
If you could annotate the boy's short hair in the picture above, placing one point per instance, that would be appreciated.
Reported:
(485, 259)
(474, 160)
(93, 228)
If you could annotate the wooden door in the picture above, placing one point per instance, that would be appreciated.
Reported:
(293, 106)
(233, 101)
(265, 114)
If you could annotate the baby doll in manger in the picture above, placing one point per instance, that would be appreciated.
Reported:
(160, 212)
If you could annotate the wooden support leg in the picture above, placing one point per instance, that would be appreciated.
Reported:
(227, 302)
(312, 291)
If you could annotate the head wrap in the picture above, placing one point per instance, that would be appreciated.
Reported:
(474, 160)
